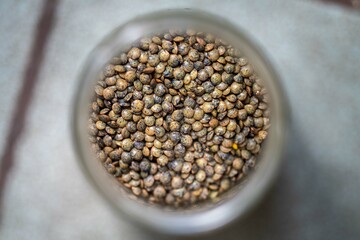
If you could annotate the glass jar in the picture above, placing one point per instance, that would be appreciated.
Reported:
(237, 201)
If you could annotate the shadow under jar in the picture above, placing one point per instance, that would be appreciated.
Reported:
(136, 51)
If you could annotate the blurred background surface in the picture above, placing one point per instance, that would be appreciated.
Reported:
(315, 47)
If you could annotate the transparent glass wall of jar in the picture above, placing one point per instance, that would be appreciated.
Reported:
(239, 199)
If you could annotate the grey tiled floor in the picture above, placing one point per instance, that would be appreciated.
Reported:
(15, 42)
(316, 50)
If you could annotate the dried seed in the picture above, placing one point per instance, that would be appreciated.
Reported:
(179, 118)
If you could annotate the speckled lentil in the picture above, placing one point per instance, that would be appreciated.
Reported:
(179, 118)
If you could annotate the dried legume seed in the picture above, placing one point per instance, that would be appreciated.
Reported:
(179, 118)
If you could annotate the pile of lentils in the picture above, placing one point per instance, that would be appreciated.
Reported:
(179, 118)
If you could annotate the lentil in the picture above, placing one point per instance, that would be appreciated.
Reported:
(179, 118)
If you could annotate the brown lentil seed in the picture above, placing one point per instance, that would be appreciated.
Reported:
(159, 192)
(100, 125)
(203, 75)
(186, 140)
(200, 176)
(193, 55)
(246, 71)
(176, 182)
(170, 101)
